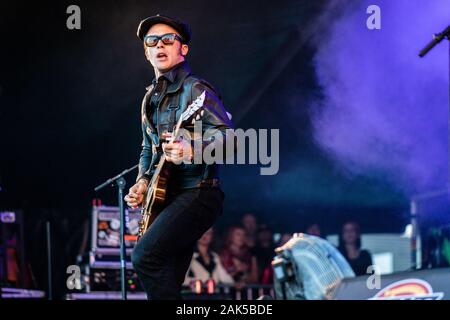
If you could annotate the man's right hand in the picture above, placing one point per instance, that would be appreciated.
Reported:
(136, 193)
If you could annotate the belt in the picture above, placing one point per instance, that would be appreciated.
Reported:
(211, 183)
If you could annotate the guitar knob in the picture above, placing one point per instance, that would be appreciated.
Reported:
(197, 117)
(202, 113)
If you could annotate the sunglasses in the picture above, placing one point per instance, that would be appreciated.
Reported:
(168, 38)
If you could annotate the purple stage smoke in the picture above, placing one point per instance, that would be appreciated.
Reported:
(385, 110)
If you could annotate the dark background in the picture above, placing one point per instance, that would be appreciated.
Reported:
(70, 115)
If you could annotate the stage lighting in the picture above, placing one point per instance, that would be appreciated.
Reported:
(308, 268)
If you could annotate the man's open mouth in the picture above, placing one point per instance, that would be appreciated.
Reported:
(161, 55)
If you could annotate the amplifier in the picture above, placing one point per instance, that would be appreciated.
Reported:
(14, 267)
(105, 223)
(108, 278)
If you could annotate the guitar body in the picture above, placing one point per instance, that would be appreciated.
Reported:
(158, 195)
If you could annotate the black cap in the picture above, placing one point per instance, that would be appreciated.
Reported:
(183, 28)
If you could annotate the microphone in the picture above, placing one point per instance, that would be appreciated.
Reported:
(436, 39)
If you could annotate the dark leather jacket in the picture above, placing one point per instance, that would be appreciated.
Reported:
(181, 92)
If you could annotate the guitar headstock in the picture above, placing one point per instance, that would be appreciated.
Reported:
(194, 107)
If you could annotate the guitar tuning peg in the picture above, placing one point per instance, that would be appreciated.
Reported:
(197, 117)
(193, 120)
(202, 113)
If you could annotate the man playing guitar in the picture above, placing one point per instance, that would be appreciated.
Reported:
(193, 199)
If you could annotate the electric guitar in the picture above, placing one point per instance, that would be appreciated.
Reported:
(156, 193)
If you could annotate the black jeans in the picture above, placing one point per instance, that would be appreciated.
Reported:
(163, 254)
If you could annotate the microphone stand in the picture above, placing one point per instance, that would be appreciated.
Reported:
(416, 245)
(436, 39)
(120, 182)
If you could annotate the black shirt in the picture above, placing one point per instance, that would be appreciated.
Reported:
(159, 89)
(361, 263)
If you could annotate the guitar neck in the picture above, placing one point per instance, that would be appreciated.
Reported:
(162, 160)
